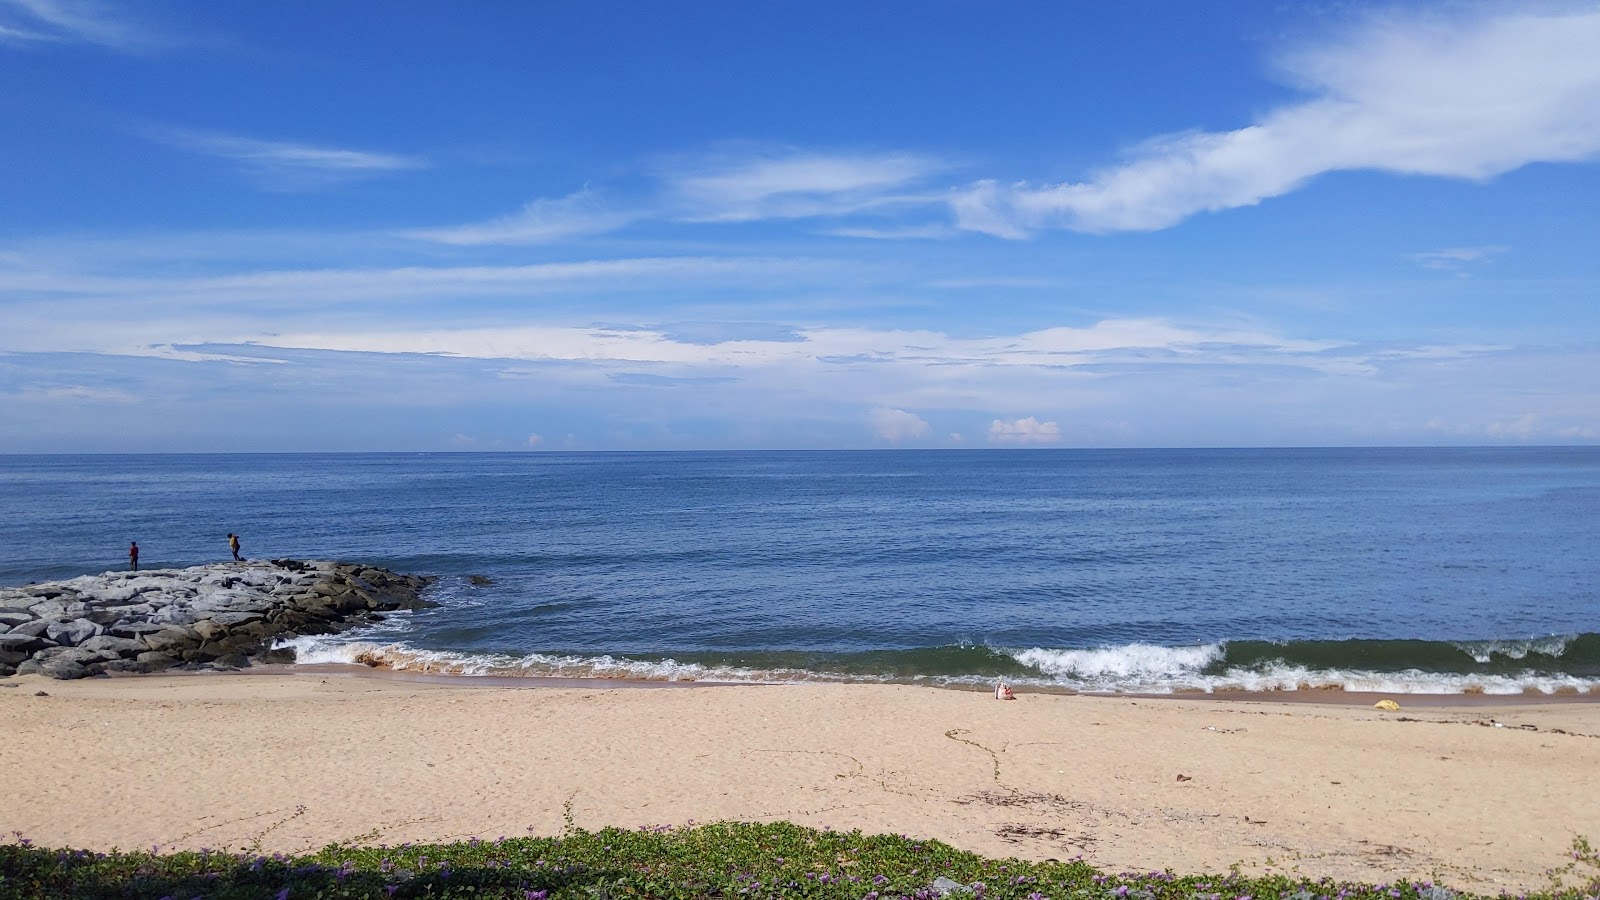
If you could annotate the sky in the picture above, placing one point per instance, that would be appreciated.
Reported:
(434, 226)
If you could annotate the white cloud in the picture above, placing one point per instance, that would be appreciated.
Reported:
(902, 233)
(534, 440)
(541, 221)
(287, 165)
(18, 35)
(463, 440)
(1452, 259)
(1024, 431)
(895, 425)
(1471, 98)
(797, 185)
(79, 21)
(316, 289)
(76, 393)
(1521, 428)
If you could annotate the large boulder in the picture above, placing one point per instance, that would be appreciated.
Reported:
(65, 665)
(117, 646)
(135, 629)
(36, 628)
(72, 632)
(209, 629)
(173, 639)
(15, 617)
(24, 643)
(151, 661)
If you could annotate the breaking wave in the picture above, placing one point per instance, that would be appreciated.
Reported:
(1546, 665)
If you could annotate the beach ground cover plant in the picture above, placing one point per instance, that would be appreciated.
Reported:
(724, 860)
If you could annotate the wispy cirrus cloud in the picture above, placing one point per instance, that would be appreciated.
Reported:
(1413, 94)
(540, 222)
(796, 185)
(1454, 259)
(873, 193)
(285, 165)
(73, 21)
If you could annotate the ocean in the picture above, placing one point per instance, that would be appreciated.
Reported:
(1396, 570)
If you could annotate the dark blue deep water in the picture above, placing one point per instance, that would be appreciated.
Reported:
(1394, 569)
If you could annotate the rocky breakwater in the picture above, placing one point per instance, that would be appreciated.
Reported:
(216, 616)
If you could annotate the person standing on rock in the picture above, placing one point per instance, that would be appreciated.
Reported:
(133, 555)
(233, 544)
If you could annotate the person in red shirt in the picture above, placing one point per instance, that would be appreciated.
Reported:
(133, 555)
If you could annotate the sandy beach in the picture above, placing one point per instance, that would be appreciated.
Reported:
(293, 761)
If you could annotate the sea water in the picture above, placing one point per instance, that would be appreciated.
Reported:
(1140, 570)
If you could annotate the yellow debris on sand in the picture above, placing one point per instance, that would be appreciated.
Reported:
(1389, 705)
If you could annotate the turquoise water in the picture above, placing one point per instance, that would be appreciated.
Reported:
(1393, 569)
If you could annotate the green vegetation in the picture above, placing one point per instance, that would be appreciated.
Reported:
(728, 860)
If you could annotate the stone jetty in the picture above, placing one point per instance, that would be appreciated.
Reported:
(215, 616)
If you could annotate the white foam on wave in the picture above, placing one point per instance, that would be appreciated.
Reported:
(1133, 668)
(1482, 651)
(1137, 662)
(312, 649)
(1147, 668)
(1284, 677)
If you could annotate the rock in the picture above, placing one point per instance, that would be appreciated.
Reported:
(36, 628)
(235, 619)
(201, 617)
(11, 618)
(65, 667)
(944, 887)
(23, 643)
(72, 632)
(209, 630)
(479, 580)
(134, 630)
(172, 638)
(175, 614)
(151, 661)
(57, 609)
(6, 671)
(271, 656)
(118, 595)
(254, 630)
(105, 643)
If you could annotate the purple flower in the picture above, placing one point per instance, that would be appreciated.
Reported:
(282, 895)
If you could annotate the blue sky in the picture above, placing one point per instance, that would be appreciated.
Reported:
(514, 226)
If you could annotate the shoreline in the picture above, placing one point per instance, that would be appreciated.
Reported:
(1311, 696)
(289, 761)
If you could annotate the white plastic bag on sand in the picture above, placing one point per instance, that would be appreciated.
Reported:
(1002, 691)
